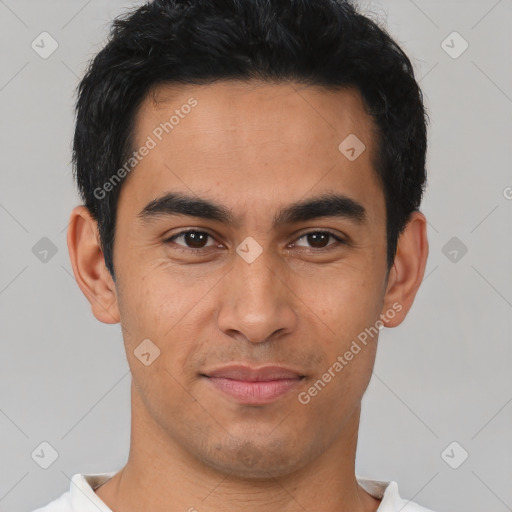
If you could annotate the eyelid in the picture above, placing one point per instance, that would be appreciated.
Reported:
(185, 232)
(340, 240)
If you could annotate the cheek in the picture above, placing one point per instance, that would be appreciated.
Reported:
(151, 309)
(153, 299)
(346, 301)
(162, 308)
(345, 310)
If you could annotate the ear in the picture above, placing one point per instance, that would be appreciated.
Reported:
(89, 268)
(406, 274)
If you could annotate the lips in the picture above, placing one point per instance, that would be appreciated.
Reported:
(254, 386)
(248, 374)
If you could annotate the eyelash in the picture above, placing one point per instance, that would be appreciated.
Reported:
(171, 239)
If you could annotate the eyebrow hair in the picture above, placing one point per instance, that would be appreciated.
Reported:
(325, 205)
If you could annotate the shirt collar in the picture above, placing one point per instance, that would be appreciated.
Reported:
(84, 498)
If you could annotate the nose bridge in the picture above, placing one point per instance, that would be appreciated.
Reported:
(257, 303)
(259, 284)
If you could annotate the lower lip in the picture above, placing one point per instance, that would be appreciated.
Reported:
(255, 393)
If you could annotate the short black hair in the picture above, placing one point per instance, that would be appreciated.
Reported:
(325, 43)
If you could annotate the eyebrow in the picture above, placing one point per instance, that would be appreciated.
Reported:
(326, 205)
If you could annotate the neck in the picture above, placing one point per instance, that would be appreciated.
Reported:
(160, 476)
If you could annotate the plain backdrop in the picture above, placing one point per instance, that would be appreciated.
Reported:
(442, 377)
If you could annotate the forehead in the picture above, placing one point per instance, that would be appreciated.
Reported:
(255, 108)
(253, 142)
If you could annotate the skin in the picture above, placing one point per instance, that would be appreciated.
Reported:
(254, 148)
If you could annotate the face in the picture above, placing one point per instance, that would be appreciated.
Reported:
(249, 300)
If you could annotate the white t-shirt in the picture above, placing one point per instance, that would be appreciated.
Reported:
(82, 498)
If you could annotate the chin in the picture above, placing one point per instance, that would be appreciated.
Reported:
(257, 461)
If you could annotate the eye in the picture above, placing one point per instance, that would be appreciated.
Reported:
(319, 239)
(192, 239)
(196, 240)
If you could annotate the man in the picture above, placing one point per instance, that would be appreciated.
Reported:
(252, 172)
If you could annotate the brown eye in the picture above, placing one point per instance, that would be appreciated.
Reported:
(192, 239)
(319, 239)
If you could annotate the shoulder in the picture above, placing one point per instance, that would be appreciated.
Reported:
(394, 503)
(61, 504)
(391, 501)
(81, 496)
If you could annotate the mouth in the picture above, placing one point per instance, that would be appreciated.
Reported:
(254, 386)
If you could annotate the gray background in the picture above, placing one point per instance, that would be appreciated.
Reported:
(442, 376)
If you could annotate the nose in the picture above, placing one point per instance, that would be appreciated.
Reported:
(257, 304)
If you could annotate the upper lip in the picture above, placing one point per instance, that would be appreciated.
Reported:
(247, 373)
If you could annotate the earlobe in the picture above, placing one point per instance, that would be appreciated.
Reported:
(89, 268)
(407, 273)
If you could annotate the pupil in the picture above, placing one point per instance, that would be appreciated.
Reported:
(193, 239)
(196, 239)
(314, 238)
